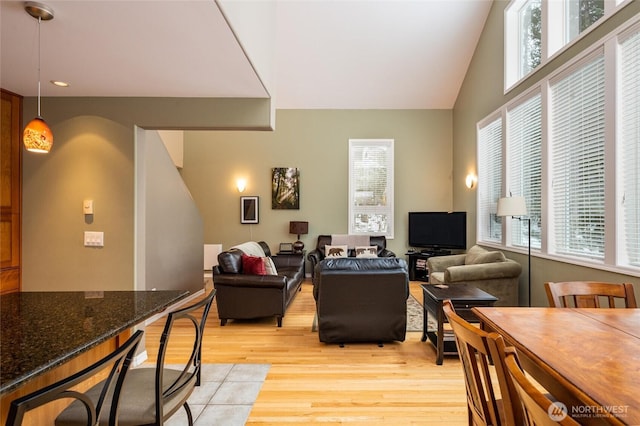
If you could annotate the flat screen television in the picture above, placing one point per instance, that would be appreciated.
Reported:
(438, 231)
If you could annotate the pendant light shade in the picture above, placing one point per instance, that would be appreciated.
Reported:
(37, 136)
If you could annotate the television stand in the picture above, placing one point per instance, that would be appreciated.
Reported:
(435, 252)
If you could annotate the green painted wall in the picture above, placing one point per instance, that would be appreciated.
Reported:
(93, 157)
(482, 93)
(316, 142)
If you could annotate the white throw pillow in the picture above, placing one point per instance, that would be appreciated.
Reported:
(269, 266)
(367, 251)
(336, 251)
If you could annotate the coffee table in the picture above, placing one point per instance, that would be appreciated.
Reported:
(464, 297)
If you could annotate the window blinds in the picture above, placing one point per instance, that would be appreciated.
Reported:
(524, 162)
(577, 144)
(371, 186)
(629, 161)
(489, 180)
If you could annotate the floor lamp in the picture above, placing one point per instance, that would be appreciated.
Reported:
(516, 207)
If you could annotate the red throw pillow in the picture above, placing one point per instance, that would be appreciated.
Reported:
(253, 265)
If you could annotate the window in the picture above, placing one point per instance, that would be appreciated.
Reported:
(524, 173)
(489, 180)
(371, 187)
(571, 147)
(580, 15)
(629, 150)
(523, 38)
(577, 166)
(537, 29)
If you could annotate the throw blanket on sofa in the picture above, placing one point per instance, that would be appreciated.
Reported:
(351, 241)
(250, 248)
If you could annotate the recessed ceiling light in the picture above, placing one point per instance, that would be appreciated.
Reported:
(60, 83)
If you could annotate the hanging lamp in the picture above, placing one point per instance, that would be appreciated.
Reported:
(37, 136)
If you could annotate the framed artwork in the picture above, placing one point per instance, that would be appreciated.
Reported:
(285, 188)
(249, 209)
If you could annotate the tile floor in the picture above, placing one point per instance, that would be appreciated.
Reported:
(225, 396)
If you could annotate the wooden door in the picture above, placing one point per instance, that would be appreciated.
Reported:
(10, 192)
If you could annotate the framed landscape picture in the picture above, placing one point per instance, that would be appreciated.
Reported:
(285, 188)
(249, 212)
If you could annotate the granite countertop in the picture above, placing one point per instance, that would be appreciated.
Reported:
(42, 330)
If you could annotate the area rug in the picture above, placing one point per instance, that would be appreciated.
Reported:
(414, 316)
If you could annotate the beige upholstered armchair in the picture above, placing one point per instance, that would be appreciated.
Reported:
(489, 271)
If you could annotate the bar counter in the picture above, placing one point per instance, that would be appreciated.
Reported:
(43, 330)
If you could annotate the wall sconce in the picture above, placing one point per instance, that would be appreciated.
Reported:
(471, 181)
(241, 184)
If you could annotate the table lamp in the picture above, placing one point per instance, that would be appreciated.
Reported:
(298, 228)
(516, 207)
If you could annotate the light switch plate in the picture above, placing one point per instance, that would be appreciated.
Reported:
(93, 239)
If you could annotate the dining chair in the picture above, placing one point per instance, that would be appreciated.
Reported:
(90, 410)
(151, 395)
(477, 350)
(539, 409)
(587, 294)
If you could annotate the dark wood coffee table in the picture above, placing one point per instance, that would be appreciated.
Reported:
(464, 297)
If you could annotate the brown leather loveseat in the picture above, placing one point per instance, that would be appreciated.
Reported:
(243, 294)
(361, 300)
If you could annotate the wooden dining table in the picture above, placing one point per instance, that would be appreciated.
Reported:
(589, 359)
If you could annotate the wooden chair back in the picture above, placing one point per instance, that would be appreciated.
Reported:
(117, 362)
(476, 348)
(588, 294)
(539, 410)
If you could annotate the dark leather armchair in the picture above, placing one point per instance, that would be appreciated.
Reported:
(247, 296)
(318, 254)
(361, 300)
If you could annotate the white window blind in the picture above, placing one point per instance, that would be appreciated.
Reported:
(524, 162)
(489, 180)
(629, 162)
(371, 186)
(577, 144)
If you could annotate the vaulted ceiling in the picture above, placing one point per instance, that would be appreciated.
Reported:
(337, 54)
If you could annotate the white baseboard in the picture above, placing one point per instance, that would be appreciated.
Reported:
(140, 358)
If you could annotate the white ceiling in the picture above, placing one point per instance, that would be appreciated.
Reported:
(302, 53)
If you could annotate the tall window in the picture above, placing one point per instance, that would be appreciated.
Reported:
(489, 180)
(524, 162)
(371, 186)
(577, 166)
(629, 150)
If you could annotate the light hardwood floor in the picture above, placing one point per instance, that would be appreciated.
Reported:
(312, 382)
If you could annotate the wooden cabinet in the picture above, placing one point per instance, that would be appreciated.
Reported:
(10, 193)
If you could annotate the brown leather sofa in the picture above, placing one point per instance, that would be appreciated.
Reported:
(318, 254)
(361, 300)
(247, 296)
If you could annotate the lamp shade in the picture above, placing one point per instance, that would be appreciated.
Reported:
(298, 228)
(512, 206)
(37, 136)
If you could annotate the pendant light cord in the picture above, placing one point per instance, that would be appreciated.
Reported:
(39, 20)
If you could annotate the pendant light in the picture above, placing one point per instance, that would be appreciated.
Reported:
(37, 136)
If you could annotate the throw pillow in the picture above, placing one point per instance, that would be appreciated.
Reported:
(486, 257)
(367, 251)
(269, 266)
(336, 251)
(253, 265)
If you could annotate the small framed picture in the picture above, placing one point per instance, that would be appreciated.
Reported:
(249, 209)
